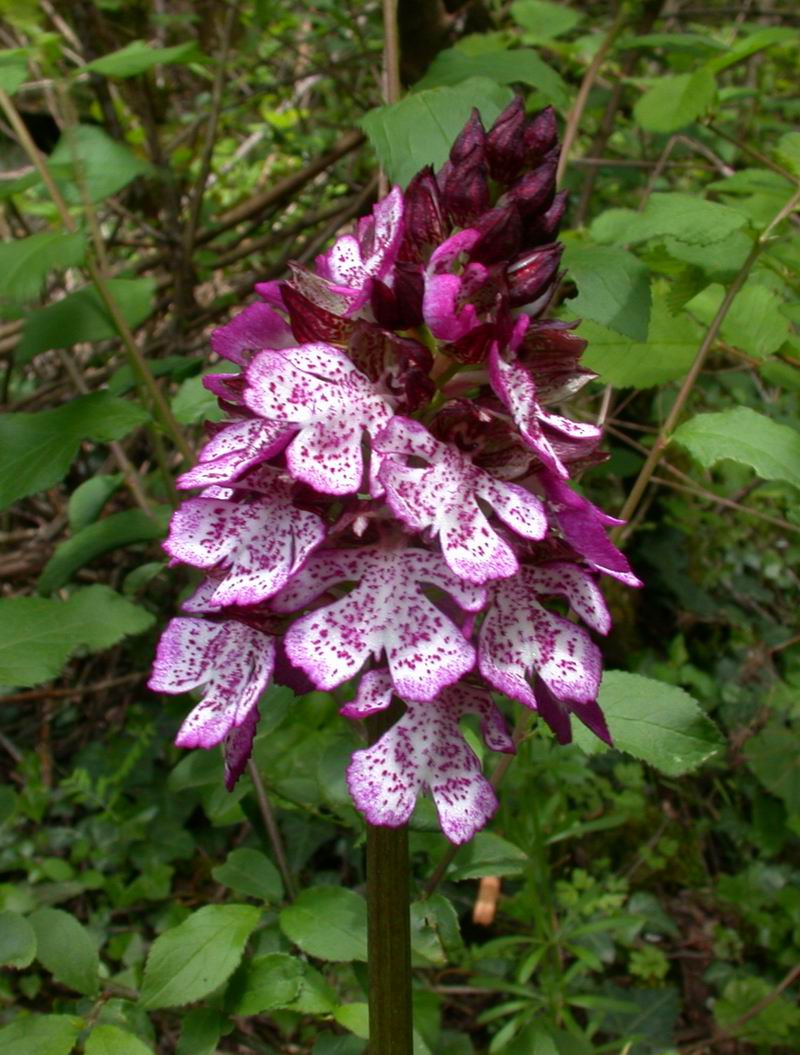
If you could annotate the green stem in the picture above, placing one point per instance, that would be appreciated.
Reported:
(388, 928)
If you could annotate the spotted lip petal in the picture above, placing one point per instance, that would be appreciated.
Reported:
(425, 751)
(386, 612)
(260, 540)
(235, 449)
(315, 390)
(520, 636)
(443, 498)
(230, 661)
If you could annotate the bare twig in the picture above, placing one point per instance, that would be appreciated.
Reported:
(274, 834)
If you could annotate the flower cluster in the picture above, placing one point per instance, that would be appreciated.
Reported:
(388, 498)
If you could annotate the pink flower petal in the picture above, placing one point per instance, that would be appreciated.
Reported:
(234, 450)
(374, 695)
(252, 330)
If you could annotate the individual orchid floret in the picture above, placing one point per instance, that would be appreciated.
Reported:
(446, 314)
(258, 538)
(318, 391)
(442, 497)
(426, 751)
(232, 664)
(234, 450)
(519, 636)
(387, 612)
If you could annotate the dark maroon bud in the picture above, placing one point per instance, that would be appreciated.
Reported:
(423, 215)
(466, 193)
(409, 287)
(544, 226)
(505, 147)
(540, 135)
(384, 305)
(535, 190)
(500, 235)
(310, 322)
(529, 277)
(474, 346)
(471, 138)
(553, 338)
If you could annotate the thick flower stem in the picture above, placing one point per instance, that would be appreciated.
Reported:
(388, 930)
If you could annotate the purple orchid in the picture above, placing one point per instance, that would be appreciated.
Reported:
(388, 498)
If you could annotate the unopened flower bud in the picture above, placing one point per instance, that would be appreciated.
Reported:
(500, 235)
(472, 139)
(529, 277)
(466, 192)
(535, 190)
(424, 216)
(505, 146)
(544, 226)
(540, 135)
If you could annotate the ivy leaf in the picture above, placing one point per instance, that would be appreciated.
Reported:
(36, 450)
(111, 1040)
(26, 262)
(420, 129)
(82, 316)
(64, 947)
(139, 56)
(656, 723)
(252, 873)
(87, 161)
(518, 66)
(194, 958)
(329, 923)
(674, 102)
(741, 435)
(613, 288)
(38, 636)
(40, 1035)
(17, 941)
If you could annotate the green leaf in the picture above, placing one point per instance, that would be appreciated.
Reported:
(543, 20)
(613, 288)
(774, 756)
(520, 66)
(64, 947)
(36, 450)
(111, 1040)
(741, 435)
(754, 322)
(354, 1017)
(87, 500)
(329, 923)
(200, 1032)
(788, 152)
(40, 1035)
(193, 403)
(266, 984)
(113, 532)
(17, 941)
(38, 636)
(755, 42)
(13, 69)
(679, 216)
(87, 161)
(488, 855)
(26, 262)
(194, 958)
(667, 353)
(674, 102)
(420, 129)
(139, 56)
(657, 723)
(250, 872)
(82, 316)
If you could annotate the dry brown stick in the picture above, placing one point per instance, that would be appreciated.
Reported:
(274, 834)
(33, 695)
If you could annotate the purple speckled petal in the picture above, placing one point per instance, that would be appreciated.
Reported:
(230, 661)
(447, 319)
(374, 695)
(234, 450)
(442, 497)
(260, 540)
(257, 327)
(386, 612)
(237, 748)
(316, 389)
(576, 430)
(519, 637)
(426, 751)
(577, 586)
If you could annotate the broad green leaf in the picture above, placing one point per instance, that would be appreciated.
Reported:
(266, 984)
(329, 923)
(544, 20)
(17, 940)
(788, 152)
(656, 723)
(40, 1035)
(667, 353)
(755, 42)
(87, 162)
(774, 756)
(64, 947)
(420, 129)
(26, 262)
(613, 288)
(194, 958)
(139, 56)
(38, 636)
(200, 1032)
(782, 374)
(193, 403)
(354, 1017)
(520, 66)
(679, 216)
(692, 42)
(754, 323)
(250, 872)
(13, 69)
(488, 855)
(82, 316)
(111, 1040)
(36, 450)
(87, 500)
(741, 435)
(674, 102)
(110, 533)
